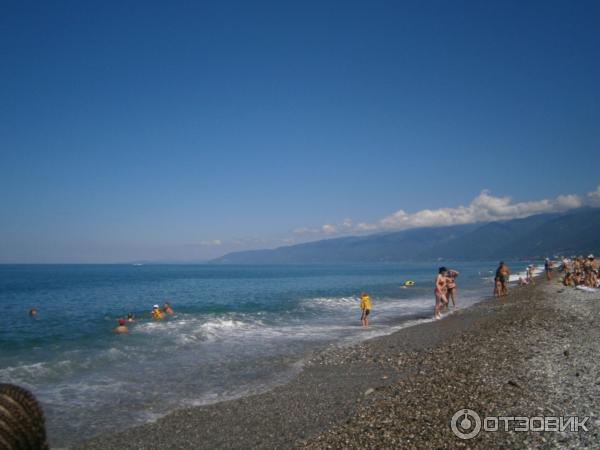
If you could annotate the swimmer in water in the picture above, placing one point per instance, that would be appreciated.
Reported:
(121, 328)
(130, 317)
(32, 312)
(156, 314)
(167, 309)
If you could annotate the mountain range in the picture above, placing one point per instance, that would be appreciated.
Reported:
(574, 232)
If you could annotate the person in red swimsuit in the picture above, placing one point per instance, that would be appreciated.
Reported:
(440, 293)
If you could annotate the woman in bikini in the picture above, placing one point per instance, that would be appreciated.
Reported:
(440, 293)
(451, 286)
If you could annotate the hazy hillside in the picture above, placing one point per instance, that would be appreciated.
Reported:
(577, 231)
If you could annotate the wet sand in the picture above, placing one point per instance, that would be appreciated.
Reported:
(532, 353)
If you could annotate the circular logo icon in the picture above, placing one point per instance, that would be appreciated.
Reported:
(466, 424)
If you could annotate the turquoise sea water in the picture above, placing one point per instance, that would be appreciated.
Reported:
(236, 330)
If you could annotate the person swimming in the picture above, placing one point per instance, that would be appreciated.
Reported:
(156, 313)
(122, 327)
(365, 306)
(130, 317)
(32, 312)
(167, 309)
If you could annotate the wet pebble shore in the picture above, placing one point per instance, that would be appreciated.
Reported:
(532, 354)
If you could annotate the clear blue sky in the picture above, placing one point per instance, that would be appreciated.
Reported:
(148, 130)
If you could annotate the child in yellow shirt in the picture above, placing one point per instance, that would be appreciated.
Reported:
(365, 306)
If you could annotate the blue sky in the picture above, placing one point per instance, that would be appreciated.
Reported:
(183, 130)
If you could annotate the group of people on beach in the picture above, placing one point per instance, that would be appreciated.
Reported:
(580, 271)
(445, 289)
(156, 313)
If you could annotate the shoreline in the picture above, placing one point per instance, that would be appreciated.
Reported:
(340, 388)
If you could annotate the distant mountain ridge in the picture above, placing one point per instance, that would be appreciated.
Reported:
(538, 236)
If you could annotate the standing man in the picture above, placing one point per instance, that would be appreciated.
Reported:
(548, 269)
(365, 306)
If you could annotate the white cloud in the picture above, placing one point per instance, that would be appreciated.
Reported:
(569, 201)
(211, 243)
(593, 198)
(329, 228)
(483, 208)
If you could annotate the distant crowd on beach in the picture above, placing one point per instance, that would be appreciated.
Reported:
(581, 272)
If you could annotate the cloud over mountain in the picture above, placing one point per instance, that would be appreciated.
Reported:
(483, 208)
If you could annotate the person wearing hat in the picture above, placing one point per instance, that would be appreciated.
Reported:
(156, 313)
(593, 262)
(122, 327)
(589, 269)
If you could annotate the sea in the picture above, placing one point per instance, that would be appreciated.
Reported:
(236, 331)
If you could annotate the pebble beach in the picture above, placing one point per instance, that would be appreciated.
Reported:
(532, 353)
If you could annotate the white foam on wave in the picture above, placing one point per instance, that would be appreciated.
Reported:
(331, 302)
(218, 327)
(352, 304)
(24, 371)
(34, 372)
(190, 329)
(86, 394)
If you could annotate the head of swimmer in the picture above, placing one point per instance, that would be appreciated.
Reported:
(442, 270)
